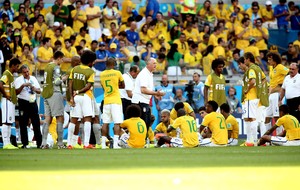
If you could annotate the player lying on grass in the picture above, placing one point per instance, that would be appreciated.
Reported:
(188, 127)
(136, 127)
(232, 125)
(215, 122)
(291, 134)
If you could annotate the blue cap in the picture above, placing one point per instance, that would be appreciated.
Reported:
(102, 43)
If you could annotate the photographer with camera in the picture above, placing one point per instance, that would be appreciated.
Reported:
(194, 89)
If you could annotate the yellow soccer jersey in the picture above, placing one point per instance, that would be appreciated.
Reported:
(192, 60)
(242, 43)
(137, 129)
(144, 37)
(213, 40)
(43, 28)
(252, 49)
(268, 14)
(76, 23)
(44, 54)
(217, 125)
(261, 44)
(161, 67)
(188, 127)
(68, 54)
(109, 80)
(188, 109)
(221, 14)
(277, 75)
(94, 23)
(162, 128)
(194, 34)
(207, 61)
(291, 125)
(233, 125)
(251, 95)
(182, 47)
(219, 52)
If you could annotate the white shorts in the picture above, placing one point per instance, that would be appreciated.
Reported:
(250, 108)
(282, 141)
(123, 140)
(176, 142)
(83, 107)
(233, 142)
(273, 109)
(8, 111)
(95, 33)
(112, 113)
(261, 114)
(208, 142)
(96, 107)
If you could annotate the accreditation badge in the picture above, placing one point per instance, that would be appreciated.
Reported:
(32, 98)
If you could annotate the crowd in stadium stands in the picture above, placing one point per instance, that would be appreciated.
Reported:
(72, 42)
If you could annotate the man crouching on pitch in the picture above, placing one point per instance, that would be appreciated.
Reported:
(188, 127)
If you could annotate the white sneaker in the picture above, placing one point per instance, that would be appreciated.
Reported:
(117, 147)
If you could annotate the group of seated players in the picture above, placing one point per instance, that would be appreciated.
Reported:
(178, 128)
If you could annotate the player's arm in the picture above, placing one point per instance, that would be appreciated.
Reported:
(229, 133)
(144, 90)
(270, 131)
(201, 128)
(251, 84)
(282, 134)
(205, 94)
(282, 94)
(170, 128)
(2, 89)
(122, 85)
(192, 114)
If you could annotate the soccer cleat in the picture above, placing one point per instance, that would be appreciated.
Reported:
(70, 147)
(25, 147)
(10, 147)
(61, 146)
(117, 147)
(77, 146)
(45, 146)
(247, 144)
(98, 146)
(89, 147)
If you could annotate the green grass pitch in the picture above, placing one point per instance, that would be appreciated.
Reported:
(176, 168)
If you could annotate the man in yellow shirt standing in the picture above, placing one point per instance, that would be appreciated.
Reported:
(183, 46)
(291, 134)
(137, 130)
(243, 34)
(215, 122)
(111, 80)
(93, 14)
(219, 51)
(213, 39)
(253, 92)
(78, 16)
(126, 10)
(44, 55)
(192, 58)
(277, 76)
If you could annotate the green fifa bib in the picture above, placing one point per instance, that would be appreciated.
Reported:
(261, 85)
(11, 86)
(218, 89)
(80, 77)
(48, 81)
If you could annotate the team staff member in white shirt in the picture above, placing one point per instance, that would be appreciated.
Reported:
(27, 87)
(290, 89)
(144, 90)
(126, 93)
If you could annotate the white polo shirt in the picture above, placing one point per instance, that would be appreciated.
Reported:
(129, 85)
(25, 93)
(144, 79)
(291, 86)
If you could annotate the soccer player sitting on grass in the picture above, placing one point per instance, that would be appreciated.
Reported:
(188, 127)
(215, 122)
(291, 134)
(162, 127)
(232, 125)
(137, 130)
(182, 105)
